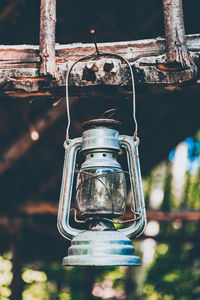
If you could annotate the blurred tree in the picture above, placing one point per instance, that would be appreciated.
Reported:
(175, 272)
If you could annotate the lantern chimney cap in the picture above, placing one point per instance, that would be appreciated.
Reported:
(108, 123)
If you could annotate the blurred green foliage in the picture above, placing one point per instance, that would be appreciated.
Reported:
(175, 271)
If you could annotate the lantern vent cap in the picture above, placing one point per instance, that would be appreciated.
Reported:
(108, 123)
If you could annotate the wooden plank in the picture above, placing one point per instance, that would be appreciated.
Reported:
(161, 216)
(20, 68)
(71, 52)
(47, 38)
(41, 208)
(176, 47)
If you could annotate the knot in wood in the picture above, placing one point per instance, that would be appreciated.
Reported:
(88, 74)
(178, 44)
(108, 67)
(45, 54)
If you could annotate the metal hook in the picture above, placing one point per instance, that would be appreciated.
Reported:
(92, 32)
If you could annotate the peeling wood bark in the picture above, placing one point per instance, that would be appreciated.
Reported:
(176, 48)
(20, 68)
(47, 37)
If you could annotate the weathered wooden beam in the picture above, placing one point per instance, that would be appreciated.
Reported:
(47, 38)
(15, 151)
(184, 215)
(38, 231)
(20, 65)
(16, 283)
(176, 47)
(41, 208)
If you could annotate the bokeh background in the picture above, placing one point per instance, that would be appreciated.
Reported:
(31, 249)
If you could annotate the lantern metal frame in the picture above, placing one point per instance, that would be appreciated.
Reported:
(71, 149)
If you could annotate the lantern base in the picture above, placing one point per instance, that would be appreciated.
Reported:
(101, 248)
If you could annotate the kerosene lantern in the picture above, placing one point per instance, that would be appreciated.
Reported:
(100, 191)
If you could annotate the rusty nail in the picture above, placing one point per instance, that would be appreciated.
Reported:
(45, 54)
(178, 44)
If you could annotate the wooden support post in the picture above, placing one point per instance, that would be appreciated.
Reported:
(89, 282)
(47, 38)
(176, 48)
(17, 283)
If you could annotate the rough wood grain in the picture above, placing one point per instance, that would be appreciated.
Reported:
(47, 37)
(176, 47)
(20, 65)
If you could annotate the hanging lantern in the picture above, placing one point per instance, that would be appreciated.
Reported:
(98, 184)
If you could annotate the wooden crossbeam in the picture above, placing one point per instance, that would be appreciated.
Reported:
(161, 216)
(41, 208)
(9, 225)
(8, 9)
(15, 151)
(20, 68)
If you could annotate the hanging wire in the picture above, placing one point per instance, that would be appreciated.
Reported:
(98, 54)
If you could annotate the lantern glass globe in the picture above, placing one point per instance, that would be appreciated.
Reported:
(101, 191)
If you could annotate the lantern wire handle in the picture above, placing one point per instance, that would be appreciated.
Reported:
(98, 54)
